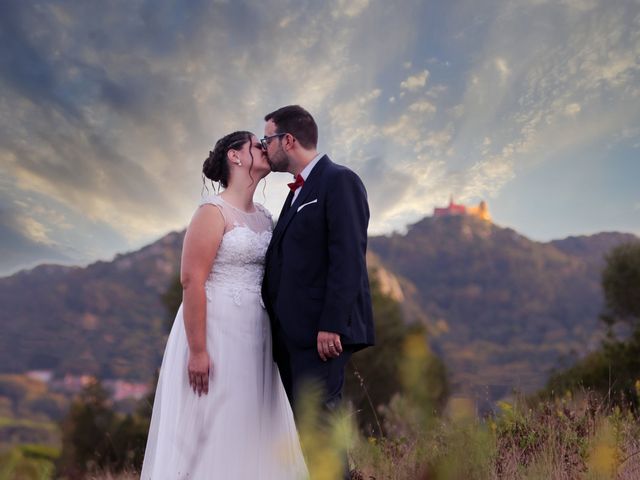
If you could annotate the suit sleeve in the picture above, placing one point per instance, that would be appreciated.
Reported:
(347, 221)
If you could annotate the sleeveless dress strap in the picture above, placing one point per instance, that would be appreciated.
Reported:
(213, 199)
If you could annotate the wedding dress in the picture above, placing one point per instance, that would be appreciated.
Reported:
(244, 427)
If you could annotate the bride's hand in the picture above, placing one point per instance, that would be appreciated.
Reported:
(198, 367)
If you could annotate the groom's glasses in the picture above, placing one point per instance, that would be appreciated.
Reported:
(265, 140)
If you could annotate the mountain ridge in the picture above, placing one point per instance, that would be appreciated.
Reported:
(49, 264)
(108, 318)
(503, 309)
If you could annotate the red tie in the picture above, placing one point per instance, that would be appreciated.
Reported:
(298, 183)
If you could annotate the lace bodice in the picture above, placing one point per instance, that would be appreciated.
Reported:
(239, 263)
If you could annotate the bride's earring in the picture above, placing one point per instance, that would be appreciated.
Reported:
(238, 162)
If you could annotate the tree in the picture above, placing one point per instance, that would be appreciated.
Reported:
(95, 437)
(14, 388)
(376, 374)
(52, 405)
(86, 433)
(621, 284)
(171, 300)
(613, 369)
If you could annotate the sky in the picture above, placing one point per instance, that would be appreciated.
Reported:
(109, 108)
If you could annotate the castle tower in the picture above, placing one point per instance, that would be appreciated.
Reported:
(481, 211)
(451, 210)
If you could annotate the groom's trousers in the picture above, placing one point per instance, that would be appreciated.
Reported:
(302, 368)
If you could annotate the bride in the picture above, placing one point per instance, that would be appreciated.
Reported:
(220, 410)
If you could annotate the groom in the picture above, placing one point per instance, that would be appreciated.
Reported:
(315, 287)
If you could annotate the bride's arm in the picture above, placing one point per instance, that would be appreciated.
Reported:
(201, 243)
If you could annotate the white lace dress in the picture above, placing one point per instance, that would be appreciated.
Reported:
(244, 427)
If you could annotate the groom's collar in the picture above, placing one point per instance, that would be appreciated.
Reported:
(307, 170)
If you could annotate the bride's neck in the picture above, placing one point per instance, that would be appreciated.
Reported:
(240, 196)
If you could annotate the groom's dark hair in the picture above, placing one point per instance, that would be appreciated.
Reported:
(298, 122)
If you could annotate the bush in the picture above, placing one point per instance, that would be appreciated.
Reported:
(96, 438)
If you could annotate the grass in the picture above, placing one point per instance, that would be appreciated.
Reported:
(106, 475)
(28, 423)
(33, 462)
(559, 439)
(568, 438)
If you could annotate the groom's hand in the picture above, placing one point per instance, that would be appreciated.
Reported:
(199, 364)
(329, 345)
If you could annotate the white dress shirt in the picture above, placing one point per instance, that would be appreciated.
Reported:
(305, 174)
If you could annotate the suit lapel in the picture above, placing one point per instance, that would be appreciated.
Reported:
(307, 189)
(285, 208)
(283, 212)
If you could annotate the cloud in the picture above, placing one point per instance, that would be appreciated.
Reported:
(542, 84)
(415, 82)
(487, 177)
(25, 243)
(438, 142)
(436, 91)
(34, 230)
(386, 185)
(572, 109)
(110, 115)
(628, 136)
(581, 5)
(503, 69)
(352, 127)
(107, 115)
(125, 121)
(422, 106)
(402, 130)
(351, 122)
(349, 8)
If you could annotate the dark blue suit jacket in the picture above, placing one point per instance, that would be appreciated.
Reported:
(315, 271)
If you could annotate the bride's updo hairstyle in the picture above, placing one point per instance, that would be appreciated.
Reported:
(216, 167)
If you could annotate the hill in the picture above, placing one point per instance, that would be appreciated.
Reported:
(106, 319)
(503, 310)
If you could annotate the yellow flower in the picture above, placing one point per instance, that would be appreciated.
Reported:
(603, 459)
(505, 406)
(415, 347)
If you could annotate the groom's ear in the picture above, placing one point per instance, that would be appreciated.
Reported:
(288, 140)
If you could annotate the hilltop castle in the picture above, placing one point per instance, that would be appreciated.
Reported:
(481, 211)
